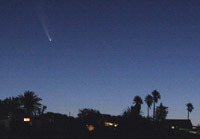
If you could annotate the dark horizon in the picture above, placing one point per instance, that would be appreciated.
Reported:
(25, 116)
(102, 53)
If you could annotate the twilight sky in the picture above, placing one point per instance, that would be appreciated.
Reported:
(102, 54)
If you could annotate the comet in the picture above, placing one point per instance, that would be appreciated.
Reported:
(41, 15)
(45, 28)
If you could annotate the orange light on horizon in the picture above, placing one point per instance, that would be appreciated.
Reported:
(90, 127)
(111, 124)
(27, 119)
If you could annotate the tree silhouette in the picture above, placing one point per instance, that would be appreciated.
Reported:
(138, 102)
(11, 107)
(127, 113)
(40, 110)
(161, 112)
(156, 96)
(44, 107)
(89, 116)
(149, 101)
(189, 108)
(2, 111)
(30, 102)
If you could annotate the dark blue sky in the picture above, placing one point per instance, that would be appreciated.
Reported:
(102, 54)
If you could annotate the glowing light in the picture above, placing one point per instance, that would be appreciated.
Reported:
(111, 124)
(90, 127)
(107, 124)
(115, 125)
(173, 127)
(27, 119)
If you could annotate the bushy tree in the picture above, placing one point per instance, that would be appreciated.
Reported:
(90, 116)
(127, 113)
(161, 112)
(10, 108)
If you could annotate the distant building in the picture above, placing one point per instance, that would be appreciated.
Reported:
(180, 124)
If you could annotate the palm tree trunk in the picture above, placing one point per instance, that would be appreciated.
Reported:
(153, 110)
(188, 115)
(148, 112)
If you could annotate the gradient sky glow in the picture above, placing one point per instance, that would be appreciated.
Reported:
(102, 54)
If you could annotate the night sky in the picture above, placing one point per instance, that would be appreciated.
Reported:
(102, 53)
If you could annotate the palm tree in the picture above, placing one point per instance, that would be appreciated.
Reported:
(11, 106)
(30, 102)
(149, 101)
(156, 96)
(138, 102)
(189, 108)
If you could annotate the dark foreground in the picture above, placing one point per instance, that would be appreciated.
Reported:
(128, 128)
(103, 135)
